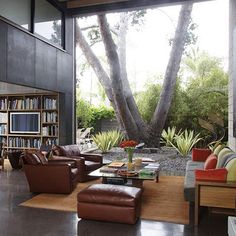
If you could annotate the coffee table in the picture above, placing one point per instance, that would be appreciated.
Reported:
(127, 177)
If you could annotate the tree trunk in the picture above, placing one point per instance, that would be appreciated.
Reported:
(123, 26)
(115, 76)
(99, 71)
(163, 106)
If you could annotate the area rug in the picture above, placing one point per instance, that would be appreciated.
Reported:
(162, 201)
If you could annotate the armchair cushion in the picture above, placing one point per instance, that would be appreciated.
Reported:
(91, 165)
(200, 154)
(31, 158)
(67, 150)
(215, 175)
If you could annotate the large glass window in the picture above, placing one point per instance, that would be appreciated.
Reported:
(48, 21)
(17, 11)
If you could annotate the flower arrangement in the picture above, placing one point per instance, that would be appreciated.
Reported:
(129, 146)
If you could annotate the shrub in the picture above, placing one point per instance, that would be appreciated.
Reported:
(185, 141)
(105, 141)
(168, 136)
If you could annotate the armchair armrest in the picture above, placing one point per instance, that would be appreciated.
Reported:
(79, 161)
(49, 178)
(92, 157)
(72, 163)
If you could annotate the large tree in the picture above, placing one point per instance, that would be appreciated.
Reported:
(116, 84)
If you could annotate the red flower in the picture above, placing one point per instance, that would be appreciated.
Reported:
(128, 143)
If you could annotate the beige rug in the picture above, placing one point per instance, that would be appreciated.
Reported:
(162, 201)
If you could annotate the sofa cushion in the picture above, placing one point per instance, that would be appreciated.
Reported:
(223, 160)
(189, 181)
(193, 165)
(210, 162)
(215, 175)
(218, 149)
(225, 151)
(200, 154)
(231, 167)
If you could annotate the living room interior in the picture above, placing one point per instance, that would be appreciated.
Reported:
(38, 79)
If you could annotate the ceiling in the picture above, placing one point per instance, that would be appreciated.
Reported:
(80, 7)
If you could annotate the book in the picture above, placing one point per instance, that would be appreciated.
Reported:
(116, 164)
(106, 169)
(146, 159)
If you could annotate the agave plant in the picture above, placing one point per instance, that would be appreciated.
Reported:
(105, 141)
(185, 141)
(116, 137)
(169, 136)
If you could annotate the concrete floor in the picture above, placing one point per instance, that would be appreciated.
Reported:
(19, 221)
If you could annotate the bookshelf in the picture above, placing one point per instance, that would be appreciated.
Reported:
(47, 108)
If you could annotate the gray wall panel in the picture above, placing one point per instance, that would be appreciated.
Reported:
(3, 51)
(20, 57)
(45, 65)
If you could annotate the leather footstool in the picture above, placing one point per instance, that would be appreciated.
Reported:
(107, 202)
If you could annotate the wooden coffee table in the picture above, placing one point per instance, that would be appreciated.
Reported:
(121, 176)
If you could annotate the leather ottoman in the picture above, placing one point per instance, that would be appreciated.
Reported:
(107, 202)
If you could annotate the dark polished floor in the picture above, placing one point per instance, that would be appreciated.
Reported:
(16, 220)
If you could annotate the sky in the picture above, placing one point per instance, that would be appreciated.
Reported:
(148, 48)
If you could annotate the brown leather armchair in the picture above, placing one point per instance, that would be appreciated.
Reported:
(86, 162)
(46, 176)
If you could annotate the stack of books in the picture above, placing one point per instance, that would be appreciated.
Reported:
(106, 169)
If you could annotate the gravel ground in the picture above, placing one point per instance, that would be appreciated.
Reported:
(171, 163)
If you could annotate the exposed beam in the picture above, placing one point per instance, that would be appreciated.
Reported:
(104, 6)
(85, 3)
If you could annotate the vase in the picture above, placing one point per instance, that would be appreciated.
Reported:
(130, 164)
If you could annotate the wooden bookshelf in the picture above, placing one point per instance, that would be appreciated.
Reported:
(47, 105)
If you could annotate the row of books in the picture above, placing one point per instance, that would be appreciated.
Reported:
(3, 140)
(24, 142)
(3, 104)
(49, 117)
(50, 141)
(28, 103)
(3, 129)
(49, 103)
(3, 117)
(50, 130)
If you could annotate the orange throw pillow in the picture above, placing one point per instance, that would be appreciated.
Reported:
(200, 154)
(215, 175)
(210, 162)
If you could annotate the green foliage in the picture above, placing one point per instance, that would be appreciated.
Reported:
(185, 141)
(202, 93)
(148, 99)
(107, 140)
(169, 135)
(88, 115)
(83, 113)
(98, 113)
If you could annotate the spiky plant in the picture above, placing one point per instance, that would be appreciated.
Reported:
(185, 141)
(105, 141)
(169, 135)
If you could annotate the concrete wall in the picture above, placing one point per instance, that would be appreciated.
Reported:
(29, 61)
(232, 74)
